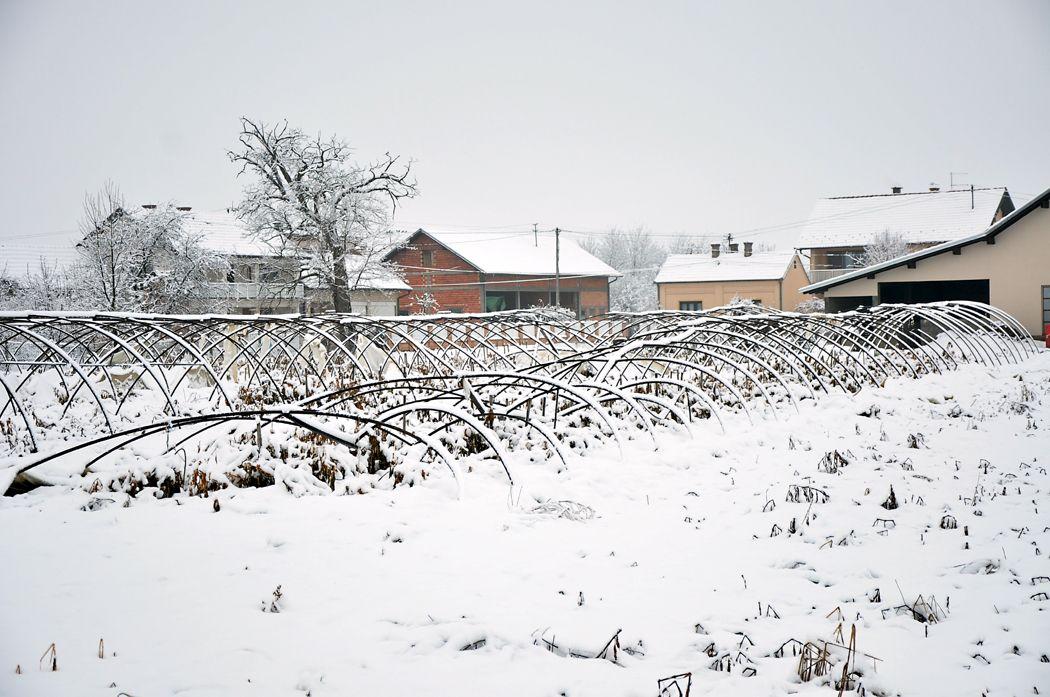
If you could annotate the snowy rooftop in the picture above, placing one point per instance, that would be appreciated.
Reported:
(693, 268)
(928, 216)
(22, 256)
(375, 277)
(223, 232)
(522, 253)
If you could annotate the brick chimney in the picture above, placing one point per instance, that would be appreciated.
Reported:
(734, 247)
(715, 249)
(896, 189)
(747, 248)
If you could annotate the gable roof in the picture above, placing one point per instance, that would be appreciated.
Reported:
(520, 253)
(927, 216)
(987, 235)
(697, 268)
(225, 233)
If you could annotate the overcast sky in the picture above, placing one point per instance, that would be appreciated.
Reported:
(696, 117)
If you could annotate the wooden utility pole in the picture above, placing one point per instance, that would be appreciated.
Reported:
(535, 235)
(557, 267)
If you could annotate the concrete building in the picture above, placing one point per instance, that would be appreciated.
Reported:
(493, 271)
(839, 228)
(1006, 265)
(703, 281)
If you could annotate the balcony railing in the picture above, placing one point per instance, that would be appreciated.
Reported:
(818, 275)
(252, 291)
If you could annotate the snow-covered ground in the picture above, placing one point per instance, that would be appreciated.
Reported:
(706, 553)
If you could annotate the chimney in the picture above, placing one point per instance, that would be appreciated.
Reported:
(149, 206)
(715, 247)
(734, 247)
(747, 248)
(896, 189)
(934, 188)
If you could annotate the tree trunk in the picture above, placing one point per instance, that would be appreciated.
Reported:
(340, 284)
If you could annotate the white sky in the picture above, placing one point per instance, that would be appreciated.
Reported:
(696, 117)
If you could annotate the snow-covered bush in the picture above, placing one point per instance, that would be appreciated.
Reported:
(810, 305)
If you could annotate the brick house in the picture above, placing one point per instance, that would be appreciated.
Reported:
(493, 271)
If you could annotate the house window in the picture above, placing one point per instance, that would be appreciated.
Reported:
(1046, 305)
(428, 258)
(691, 305)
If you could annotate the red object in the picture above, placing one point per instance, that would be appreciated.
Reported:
(1046, 333)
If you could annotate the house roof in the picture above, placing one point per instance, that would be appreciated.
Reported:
(927, 216)
(21, 256)
(520, 253)
(987, 235)
(375, 277)
(696, 268)
(225, 233)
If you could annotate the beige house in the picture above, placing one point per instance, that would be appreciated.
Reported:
(839, 229)
(703, 281)
(1006, 265)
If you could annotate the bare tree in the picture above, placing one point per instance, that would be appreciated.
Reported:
(884, 246)
(141, 259)
(637, 256)
(426, 303)
(47, 287)
(310, 200)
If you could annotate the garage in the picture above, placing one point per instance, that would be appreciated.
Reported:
(934, 291)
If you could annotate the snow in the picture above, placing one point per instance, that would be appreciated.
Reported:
(411, 591)
(521, 253)
(375, 276)
(1002, 224)
(760, 266)
(225, 233)
(21, 258)
(853, 221)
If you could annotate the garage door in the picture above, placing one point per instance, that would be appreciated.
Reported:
(934, 291)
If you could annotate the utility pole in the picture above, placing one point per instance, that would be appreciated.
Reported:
(535, 235)
(557, 267)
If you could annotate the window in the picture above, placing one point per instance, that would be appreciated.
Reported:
(428, 258)
(691, 305)
(1046, 305)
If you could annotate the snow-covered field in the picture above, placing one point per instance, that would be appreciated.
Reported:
(719, 556)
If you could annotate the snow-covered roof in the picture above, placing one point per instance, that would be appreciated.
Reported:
(375, 277)
(988, 233)
(225, 233)
(521, 253)
(734, 266)
(22, 256)
(927, 216)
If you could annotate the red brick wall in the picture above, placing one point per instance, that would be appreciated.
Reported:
(464, 298)
(593, 291)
